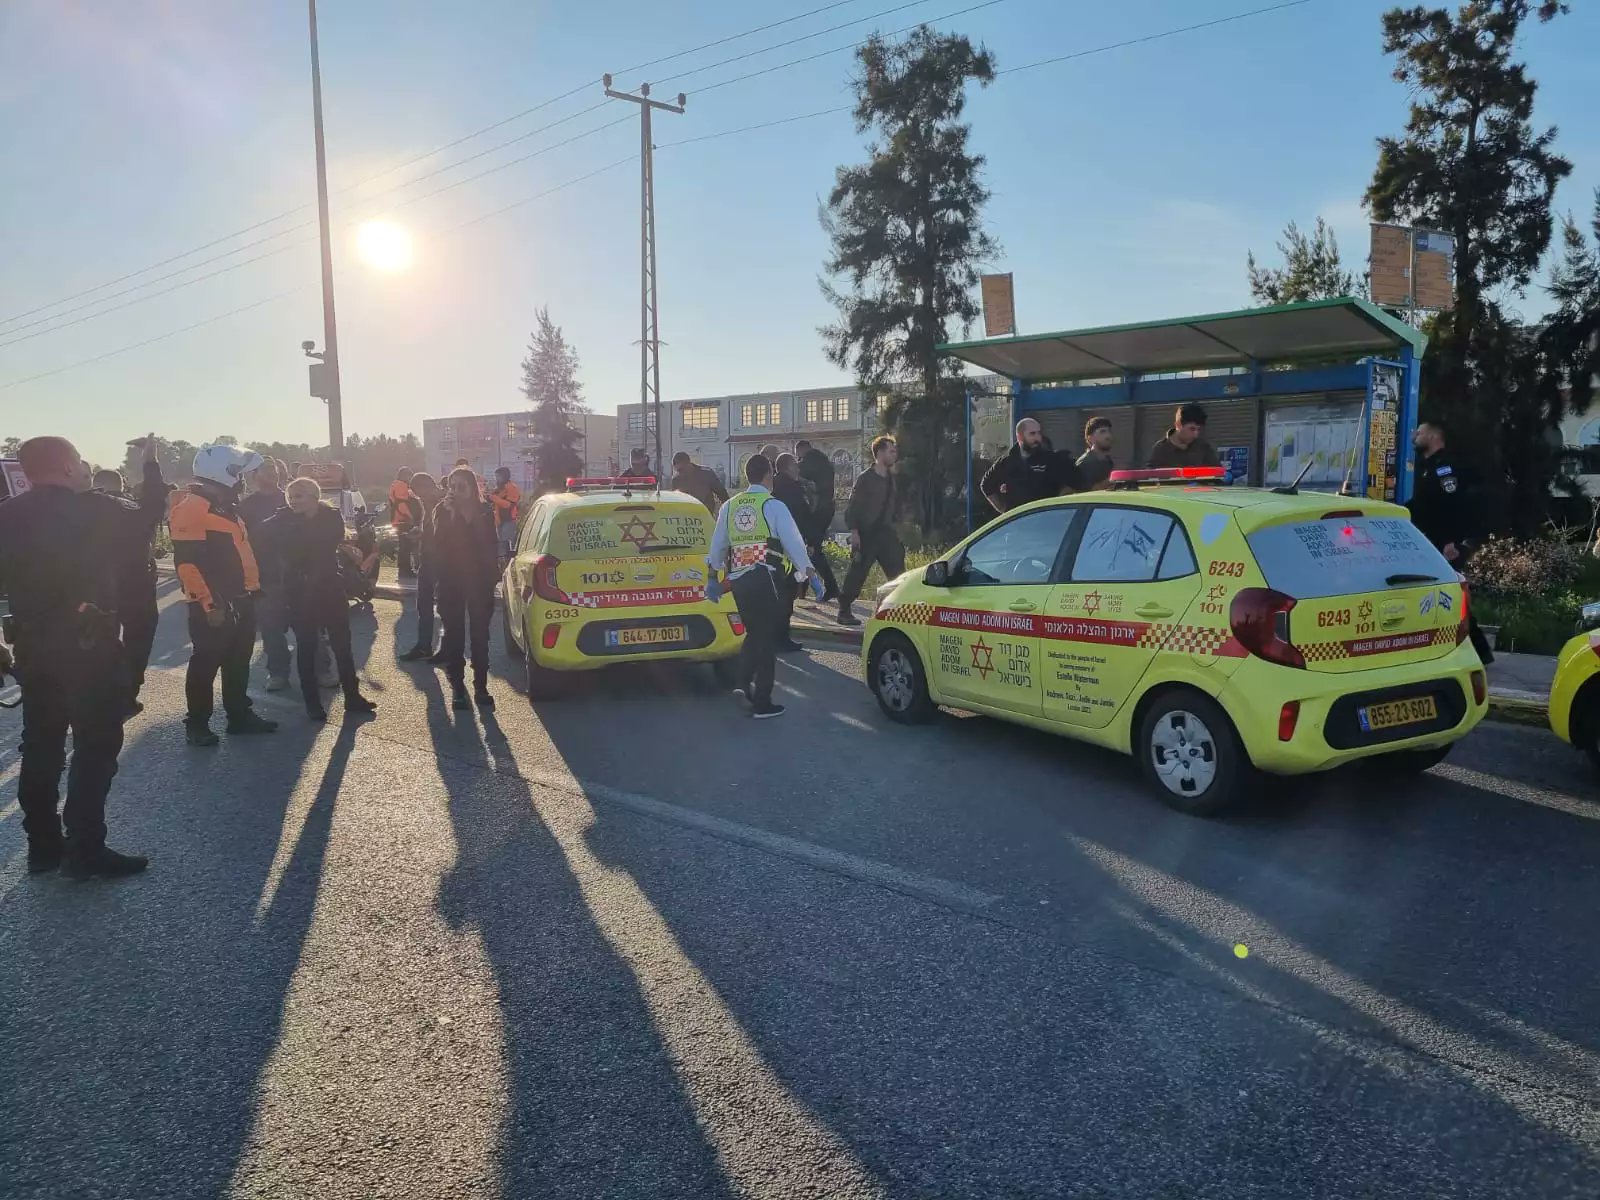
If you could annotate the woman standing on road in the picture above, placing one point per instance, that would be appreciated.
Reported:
(305, 540)
(466, 559)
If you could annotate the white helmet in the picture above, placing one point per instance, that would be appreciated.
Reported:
(226, 465)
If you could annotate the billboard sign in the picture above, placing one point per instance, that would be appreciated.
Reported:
(999, 305)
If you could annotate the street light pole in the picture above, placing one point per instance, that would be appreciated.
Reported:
(649, 311)
(330, 326)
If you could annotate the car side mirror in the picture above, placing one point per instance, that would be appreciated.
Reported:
(937, 574)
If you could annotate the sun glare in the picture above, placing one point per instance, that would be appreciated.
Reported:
(384, 246)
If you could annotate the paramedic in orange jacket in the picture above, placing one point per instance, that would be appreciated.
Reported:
(217, 569)
(507, 501)
(402, 519)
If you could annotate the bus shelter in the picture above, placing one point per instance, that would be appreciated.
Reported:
(1324, 387)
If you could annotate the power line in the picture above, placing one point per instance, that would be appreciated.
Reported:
(419, 158)
(683, 142)
(1153, 37)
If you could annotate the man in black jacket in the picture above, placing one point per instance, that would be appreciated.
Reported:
(137, 609)
(426, 495)
(870, 517)
(817, 467)
(466, 564)
(1444, 508)
(790, 491)
(59, 550)
(1030, 470)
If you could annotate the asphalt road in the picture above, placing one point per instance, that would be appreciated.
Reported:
(633, 944)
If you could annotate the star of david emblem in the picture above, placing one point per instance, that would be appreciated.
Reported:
(637, 531)
(1365, 610)
(1091, 602)
(982, 657)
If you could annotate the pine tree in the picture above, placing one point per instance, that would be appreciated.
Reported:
(1311, 269)
(1470, 164)
(550, 382)
(907, 241)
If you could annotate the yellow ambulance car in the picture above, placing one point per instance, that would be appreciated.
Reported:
(1215, 633)
(614, 570)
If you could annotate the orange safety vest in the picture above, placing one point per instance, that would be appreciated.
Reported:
(399, 513)
(507, 502)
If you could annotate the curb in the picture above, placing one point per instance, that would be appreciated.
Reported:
(843, 635)
(1519, 709)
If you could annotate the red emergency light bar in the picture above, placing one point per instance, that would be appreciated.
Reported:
(606, 481)
(1166, 475)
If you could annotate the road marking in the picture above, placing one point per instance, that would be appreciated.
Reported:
(837, 861)
(1511, 789)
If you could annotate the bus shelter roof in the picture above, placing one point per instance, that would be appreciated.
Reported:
(1311, 330)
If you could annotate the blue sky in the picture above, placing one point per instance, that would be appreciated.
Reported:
(1127, 186)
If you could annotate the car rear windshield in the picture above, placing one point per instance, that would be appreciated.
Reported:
(1336, 556)
(631, 531)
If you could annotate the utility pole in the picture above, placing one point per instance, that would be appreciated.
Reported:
(328, 385)
(649, 312)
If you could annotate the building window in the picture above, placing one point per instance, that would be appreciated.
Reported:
(701, 416)
(822, 412)
(843, 409)
(759, 416)
(638, 424)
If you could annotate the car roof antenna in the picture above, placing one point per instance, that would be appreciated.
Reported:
(1294, 488)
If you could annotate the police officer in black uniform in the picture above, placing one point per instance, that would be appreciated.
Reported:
(59, 545)
(137, 607)
(1444, 508)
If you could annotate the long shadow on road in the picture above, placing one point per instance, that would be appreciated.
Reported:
(595, 1108)
(140, 1015)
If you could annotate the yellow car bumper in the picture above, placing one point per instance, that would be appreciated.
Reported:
(590, 642)
(1576, 665)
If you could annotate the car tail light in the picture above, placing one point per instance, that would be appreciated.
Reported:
(1466, 618)
(1480, 687)
(1288, 718)
(737, 624)
(548, 638)
(1259, 618)
(544, 578)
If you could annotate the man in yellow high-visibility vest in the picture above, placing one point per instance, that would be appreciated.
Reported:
(756, 538)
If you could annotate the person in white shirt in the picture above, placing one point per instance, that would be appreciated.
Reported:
(755, 539)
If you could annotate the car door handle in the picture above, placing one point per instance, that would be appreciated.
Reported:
(1023, 606)
(1152, 610)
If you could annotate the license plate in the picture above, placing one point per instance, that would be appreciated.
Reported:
(651, 635)
(1397, 712)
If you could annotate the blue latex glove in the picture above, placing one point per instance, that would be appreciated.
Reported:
(816, 587)
(713, 588)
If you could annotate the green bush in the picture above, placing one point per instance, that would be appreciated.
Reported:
(1532, 590)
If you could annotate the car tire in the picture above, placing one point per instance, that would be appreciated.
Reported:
(512, 648)
(897, 679)
(726, 672)
(1410, 762)
(543, 683)
(1191, 755)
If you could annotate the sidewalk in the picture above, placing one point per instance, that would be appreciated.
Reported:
(1519, 687)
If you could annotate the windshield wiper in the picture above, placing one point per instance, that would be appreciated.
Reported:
(1394, 579)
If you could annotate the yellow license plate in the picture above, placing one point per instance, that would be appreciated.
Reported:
(650, 636)
(1397, 712)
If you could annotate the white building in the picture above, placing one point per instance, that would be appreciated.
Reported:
(506, 440)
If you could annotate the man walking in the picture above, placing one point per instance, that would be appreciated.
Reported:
(870, 518)
(1444, 509)
(1030, 470)
(507, 501)
(466, 560)
(220, 577)
(272, 614)
(755, 540)
(789, 490)
(1185, 444)
(697, 481)
(402, 519)
(1095, 464)
(427, 497)
(58, 558)
(817, 468)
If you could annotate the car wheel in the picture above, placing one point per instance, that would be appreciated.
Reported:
(512, 648)
(1410, 762)
(543, 683)
(896, 677)
(726, 672)
(1192, 755)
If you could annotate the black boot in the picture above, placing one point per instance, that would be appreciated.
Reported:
(481, 695)
(315, 712)
(91, 862)
(44, 854)
(199, 734)
(416, 654)
(250, 722)
(459, 700)
(357, 705)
